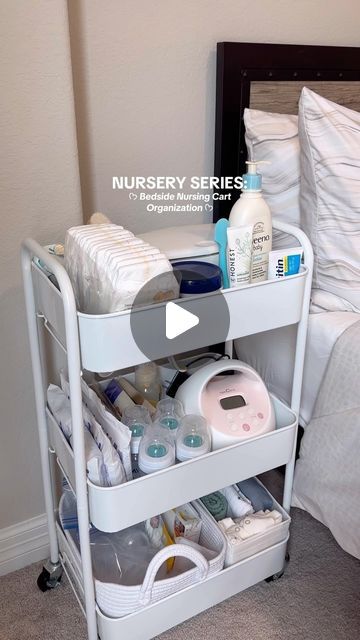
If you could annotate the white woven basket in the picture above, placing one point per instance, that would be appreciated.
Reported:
(117, 600)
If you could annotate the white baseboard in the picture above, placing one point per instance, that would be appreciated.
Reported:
(23, 543)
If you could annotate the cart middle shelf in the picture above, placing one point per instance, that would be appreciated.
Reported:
(118, 507)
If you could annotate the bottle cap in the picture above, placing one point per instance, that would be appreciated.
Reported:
(193, 438)
(198, 277)
(169, 413)
(156, 451)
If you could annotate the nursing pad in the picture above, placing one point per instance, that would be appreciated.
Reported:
(108, 266)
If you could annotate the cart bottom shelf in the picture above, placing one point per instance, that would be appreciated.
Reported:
(171, 611)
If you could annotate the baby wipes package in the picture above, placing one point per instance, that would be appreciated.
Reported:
(108, 266)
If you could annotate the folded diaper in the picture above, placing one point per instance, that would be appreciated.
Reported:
(108, 266)
(239, 529)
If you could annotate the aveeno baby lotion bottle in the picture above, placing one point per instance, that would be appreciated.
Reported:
(251, 208)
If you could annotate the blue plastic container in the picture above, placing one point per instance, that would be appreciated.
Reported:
(197, 277)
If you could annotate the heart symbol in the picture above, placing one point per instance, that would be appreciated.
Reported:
(208, 207)
(132, 196)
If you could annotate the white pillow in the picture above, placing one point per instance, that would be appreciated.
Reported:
(274, 137)
(330, 192)
(326, 301)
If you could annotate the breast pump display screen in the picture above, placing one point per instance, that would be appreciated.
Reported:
(232, 402)
(232, 397)
(237, 405)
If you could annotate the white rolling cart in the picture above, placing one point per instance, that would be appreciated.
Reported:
(105, 343)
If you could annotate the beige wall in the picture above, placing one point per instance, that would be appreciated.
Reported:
(145, 83)
(145, 91)
(40, 198)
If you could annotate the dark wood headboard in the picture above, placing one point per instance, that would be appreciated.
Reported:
(270, 77)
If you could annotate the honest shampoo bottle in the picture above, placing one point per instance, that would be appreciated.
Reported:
(251, 208)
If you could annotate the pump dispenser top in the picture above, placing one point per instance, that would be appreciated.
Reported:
(252, 180)
(252, 209)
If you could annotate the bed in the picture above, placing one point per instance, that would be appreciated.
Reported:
(269, 78)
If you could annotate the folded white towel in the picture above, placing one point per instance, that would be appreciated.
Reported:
(238, 505)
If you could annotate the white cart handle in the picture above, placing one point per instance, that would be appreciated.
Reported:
(170, 552)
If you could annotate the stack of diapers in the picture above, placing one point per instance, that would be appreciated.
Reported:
(107, 466)
(108, 266)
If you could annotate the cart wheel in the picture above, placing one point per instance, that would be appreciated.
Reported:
(278, 575)
(45, 582)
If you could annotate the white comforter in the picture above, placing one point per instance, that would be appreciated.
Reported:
(327, 474)
(271, 353)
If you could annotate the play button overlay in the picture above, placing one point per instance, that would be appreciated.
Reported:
(176, 326)
(178, 320)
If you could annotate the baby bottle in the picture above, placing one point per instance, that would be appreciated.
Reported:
(147, 382)
(157, 450)
(192, 438)
(168, 414)
(138, 420)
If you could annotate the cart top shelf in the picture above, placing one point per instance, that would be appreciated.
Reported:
(107, 343)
